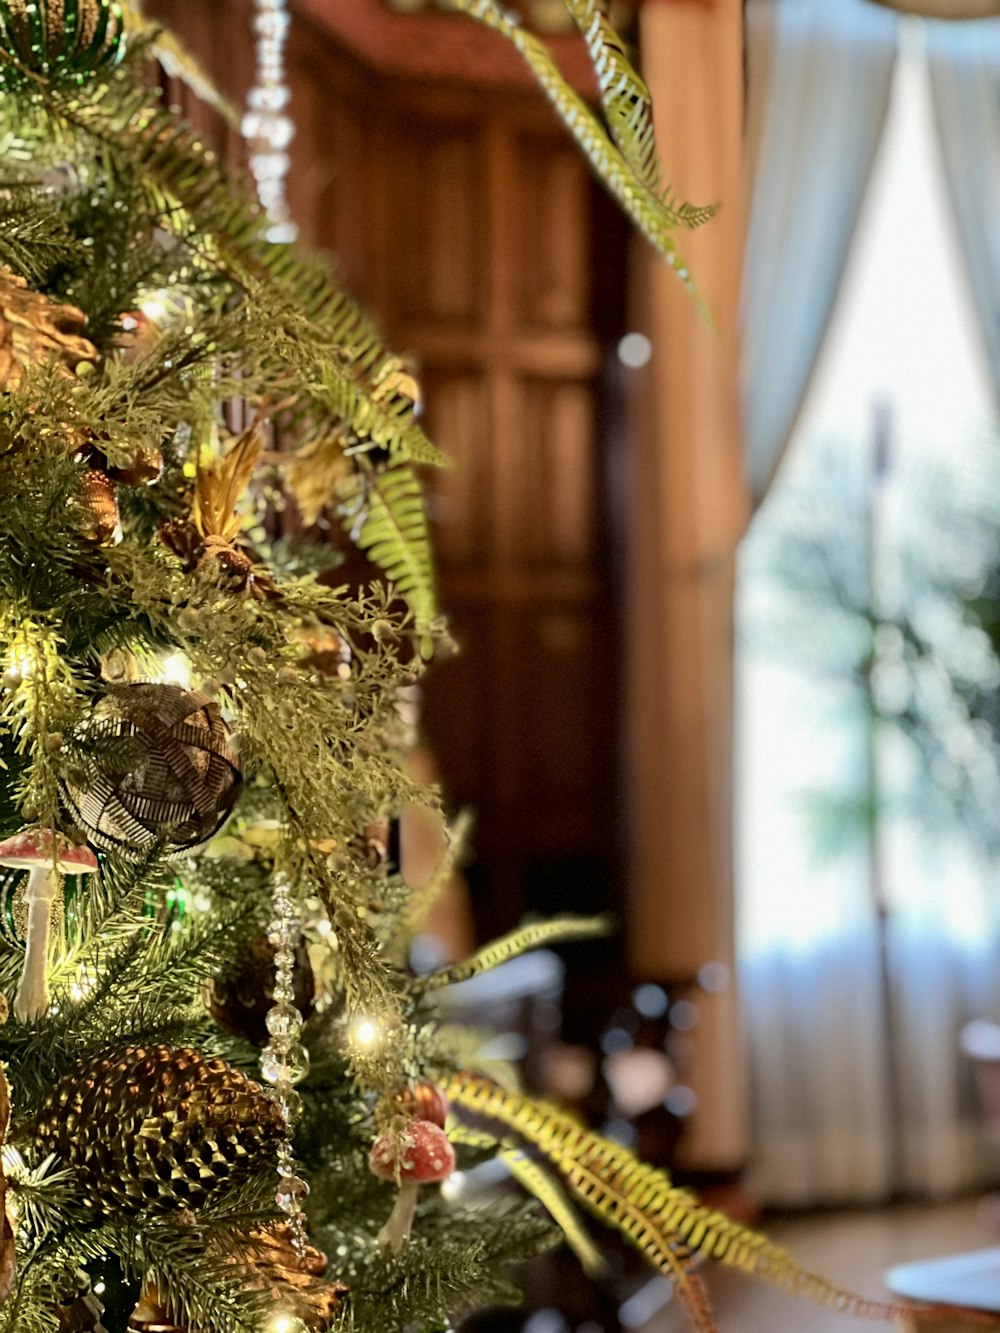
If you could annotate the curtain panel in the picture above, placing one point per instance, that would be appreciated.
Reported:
(819, 77)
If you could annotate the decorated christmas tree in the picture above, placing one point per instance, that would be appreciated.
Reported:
(228, 1101)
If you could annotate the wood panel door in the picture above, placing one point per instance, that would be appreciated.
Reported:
(495, 277)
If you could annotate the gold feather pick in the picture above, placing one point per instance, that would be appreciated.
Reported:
(221, 482)
(658, 1217)
(560, 930)
(209, 535)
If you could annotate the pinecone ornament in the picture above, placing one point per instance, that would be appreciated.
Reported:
(81, 1310)
(35, 330)
(151, 1316)
(98, 501)
(156, 1128)
(295, 1284)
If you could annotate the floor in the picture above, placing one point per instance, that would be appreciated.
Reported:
(850, 1248)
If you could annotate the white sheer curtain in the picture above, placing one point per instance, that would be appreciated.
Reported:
(964, 64)
(832, 1123)
(819, 73)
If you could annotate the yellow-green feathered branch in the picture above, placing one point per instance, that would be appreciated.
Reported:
(661, 1220)
(561, 930)
(625, 161)
(177, 60)
(538, 1182)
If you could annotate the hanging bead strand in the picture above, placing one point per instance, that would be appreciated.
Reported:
(285, 1061)
(266, 126)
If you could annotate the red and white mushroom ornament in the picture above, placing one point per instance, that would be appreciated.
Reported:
(47, 859)
(419, 1154)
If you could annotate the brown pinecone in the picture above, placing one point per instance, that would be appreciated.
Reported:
(34, 329)
(81, 1311)
(157, 1127)
(98, 502)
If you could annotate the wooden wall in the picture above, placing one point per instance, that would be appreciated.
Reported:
(468, 222)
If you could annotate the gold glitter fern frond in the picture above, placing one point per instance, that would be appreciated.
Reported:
(627, 173)
(666, 1223)
(560, 930)
(539, 1183)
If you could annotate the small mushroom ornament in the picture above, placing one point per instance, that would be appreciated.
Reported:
(418, 1155)
(47, 859)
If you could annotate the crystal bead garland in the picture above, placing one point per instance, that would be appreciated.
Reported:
(266, 127)
(285, 1061)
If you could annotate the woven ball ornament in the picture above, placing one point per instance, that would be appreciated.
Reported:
(62, 41)
(155, 1127)
(158, 770)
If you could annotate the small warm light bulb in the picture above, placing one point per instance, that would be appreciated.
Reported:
(364, 1033)
(99, 1287)
(76, 991)
(176, 670)
(323, 927)
(21, 660)
(284, 1323)
(155, 308)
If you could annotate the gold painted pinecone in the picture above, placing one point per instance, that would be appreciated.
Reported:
(157, 1127)
(152, 1316)
(295, 1284)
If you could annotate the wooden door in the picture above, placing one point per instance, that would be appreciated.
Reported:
(491, 281)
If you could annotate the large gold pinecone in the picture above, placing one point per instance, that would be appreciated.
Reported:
(156, 1127)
